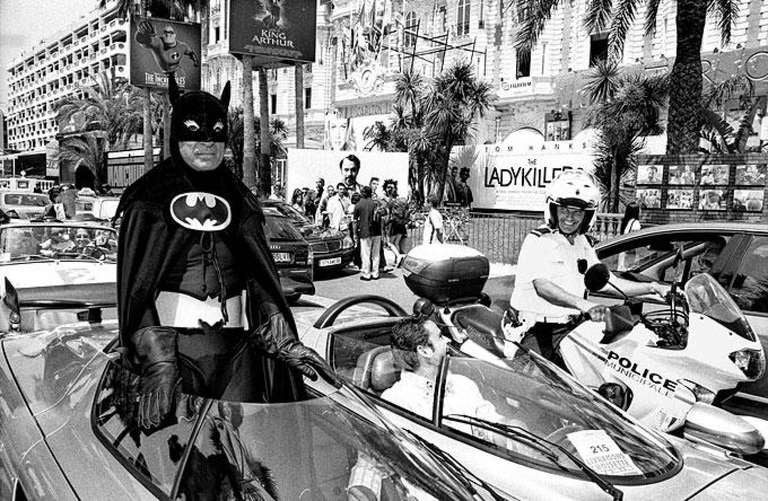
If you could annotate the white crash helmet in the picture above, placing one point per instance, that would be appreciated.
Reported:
(573, 188)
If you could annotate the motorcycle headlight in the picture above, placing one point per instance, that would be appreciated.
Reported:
(347, 243)
(751, 362)
(702, 394)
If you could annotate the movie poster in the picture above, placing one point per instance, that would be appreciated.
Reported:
(159, 47)
(501, 179)
(275, 32)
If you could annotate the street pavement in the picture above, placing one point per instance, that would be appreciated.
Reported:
(392, 286)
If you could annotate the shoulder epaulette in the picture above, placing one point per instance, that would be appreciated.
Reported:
(592, 240)
(541, 230)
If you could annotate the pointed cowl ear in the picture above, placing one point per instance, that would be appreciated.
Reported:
(225, 96)
(173, 89)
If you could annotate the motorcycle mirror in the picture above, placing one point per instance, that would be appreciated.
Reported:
(596, 277)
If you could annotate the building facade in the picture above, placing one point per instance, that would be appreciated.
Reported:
(56, 69)
(363, 44)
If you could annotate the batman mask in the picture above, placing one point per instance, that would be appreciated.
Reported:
(197, 117)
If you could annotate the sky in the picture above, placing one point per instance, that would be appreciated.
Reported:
(23, 23)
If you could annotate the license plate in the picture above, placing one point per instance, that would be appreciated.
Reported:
(330, 262)
(281, 257)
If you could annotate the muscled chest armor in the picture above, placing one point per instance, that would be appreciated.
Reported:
(206, 270)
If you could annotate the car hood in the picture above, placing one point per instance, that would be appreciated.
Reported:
(52, 273)
(708, 474)
(312, 233)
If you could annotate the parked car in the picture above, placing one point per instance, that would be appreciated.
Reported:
(735, 254)
(23, 204)
(541, 416)
(69, 432)
(291, 253)
(100, 207)
(331, 249)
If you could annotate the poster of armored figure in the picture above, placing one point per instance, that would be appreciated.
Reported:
(274, 32)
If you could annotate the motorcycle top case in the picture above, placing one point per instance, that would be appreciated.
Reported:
(445, 273)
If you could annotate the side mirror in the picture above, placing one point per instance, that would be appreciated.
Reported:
(596, 277)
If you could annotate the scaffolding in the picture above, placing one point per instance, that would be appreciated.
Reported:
(434, 53)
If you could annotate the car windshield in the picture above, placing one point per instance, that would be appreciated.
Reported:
(25, 199)
(278, 227)
(57, 242)
(294, 215)
(706, 296)
(272, 451)
(531, 397)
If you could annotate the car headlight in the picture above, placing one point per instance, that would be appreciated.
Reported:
(702, 394)
(751, 362)
(347, 243)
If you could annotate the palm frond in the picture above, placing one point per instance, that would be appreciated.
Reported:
(651, 12)
(598, 14)
(539, 11)
(727, 11)
(602, 81)
(623, 17)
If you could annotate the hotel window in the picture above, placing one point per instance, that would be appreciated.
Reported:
(598, 48)
(523, 63)
(273, 107)
(307, 98)
(410, 30)
(462, 18)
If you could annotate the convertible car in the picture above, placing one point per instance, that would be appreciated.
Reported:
(548, 438)
(67, 408)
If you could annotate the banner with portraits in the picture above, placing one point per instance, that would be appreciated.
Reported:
(722, 183)
(516, 179)
(305, 166)
(274, 32)
(160, 47)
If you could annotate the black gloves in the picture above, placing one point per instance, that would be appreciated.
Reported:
(280, 340)
(155, 350)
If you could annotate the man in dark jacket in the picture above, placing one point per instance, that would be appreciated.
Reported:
(200, 304)
(368, 223)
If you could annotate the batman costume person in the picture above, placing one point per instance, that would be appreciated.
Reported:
(200, 304)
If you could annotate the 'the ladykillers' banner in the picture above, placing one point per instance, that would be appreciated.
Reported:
(504, 178)
(275, 32)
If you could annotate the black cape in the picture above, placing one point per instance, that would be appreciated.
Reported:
(150, 242)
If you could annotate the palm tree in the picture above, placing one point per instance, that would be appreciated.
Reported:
(685, 79)
(456, 99)
(236, 140)
(625, 107)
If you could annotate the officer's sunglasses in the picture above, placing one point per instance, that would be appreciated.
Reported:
(571, 212)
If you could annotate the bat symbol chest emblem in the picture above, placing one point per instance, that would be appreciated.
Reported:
(201, 211)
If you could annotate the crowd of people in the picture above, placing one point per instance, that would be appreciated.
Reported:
(375, 215)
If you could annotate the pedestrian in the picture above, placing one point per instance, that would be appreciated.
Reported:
(631, 220)
(463, 191)
(297, 200)
(433, 224)
(193, 265)
(337, 208)
(321, 216)
(368, 229)
(354, 199)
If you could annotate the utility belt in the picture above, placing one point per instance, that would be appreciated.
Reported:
(176, 309)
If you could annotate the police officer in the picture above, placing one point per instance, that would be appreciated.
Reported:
(549, 282)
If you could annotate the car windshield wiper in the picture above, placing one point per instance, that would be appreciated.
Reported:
(459, 470)
(542, 445)
(30, 257)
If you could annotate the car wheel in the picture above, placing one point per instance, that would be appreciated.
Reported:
(293, 298)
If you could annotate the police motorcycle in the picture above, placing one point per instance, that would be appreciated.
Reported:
(669, 368)
(672, 366)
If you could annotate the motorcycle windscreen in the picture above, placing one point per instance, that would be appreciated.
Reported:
(532, 397)
(314, 449)
(707, 297)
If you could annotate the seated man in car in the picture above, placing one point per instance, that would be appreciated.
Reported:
(418, 350)
(60, 241)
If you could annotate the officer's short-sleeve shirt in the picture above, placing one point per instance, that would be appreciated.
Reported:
(547, 254)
